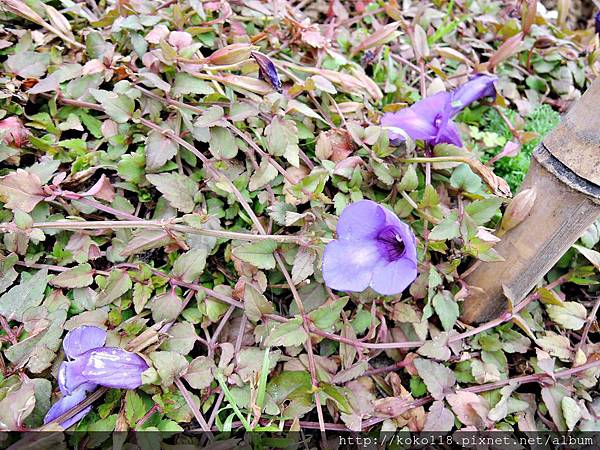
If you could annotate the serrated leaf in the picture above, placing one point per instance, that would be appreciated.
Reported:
(571, 412)
(569, 315)
(189, 266)
(199, 374)
(117, 284)
(325, 316)
(21, 189)
(288, 334)
(181, 338)
(222, 144)
(118, 107)
(259, 254)
(303, 266)
(256, 304)
(80, 276)
(141, 295)
(265, 173)
(27, 294)
(447, 229)
(159, 150)
(437, 377)
(446, 308)
(169, 365)
(179, 190)
(16, 407)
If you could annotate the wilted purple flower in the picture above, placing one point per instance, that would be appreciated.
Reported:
(90, 365)
(430, 119)
(374, 248)
(267, 70)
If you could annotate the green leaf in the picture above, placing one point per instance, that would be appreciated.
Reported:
(189, 84)
(43, 390)
(259, 254)
(77, 277)
(210, 117)
(166, 307)
(134, 408)
(118, 107)
(182, 337)
(282, 139)
(464, 179)
(569, 315)
(446, 308)
(28, 294)
(189, 266)
(178, 189)
(288, 334)
(265, 174)
(481, 211)
(447, 229)
(571, 412)
(200, 372)
(303, 266)
(16, 407)
(141, 295)
(592, 255)
(437, 377)
(327, 315)
(117, 284)
(159, 150)
(169, 365)
(256, 304)
(222, 144)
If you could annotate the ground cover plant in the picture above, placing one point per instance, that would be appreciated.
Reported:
(260, 215)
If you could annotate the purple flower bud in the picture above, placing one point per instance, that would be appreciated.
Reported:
(267, 70)
(374, 248)
(430, 119)
(476, 88)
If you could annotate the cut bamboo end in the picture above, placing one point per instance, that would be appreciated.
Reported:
(565, 206)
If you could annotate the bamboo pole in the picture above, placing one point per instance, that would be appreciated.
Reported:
(565, 175)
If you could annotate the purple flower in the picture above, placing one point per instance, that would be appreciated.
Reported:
(374, 248)
(90, 365)
(430, 119)
(597, 23)
(267, 70)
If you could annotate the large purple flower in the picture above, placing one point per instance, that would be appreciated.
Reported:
(374, 248)
(430, 119)
(90, 365)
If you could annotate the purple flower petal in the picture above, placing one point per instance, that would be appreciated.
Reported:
(360, 220)
(476, 88)
(414, 125)
(70, 401)
(449, 135)
(107, 366)
(406, 234)
(597, 23)
(373, 245)
(348, 264)
(82, 339)
(393, 277)
(430, 108)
